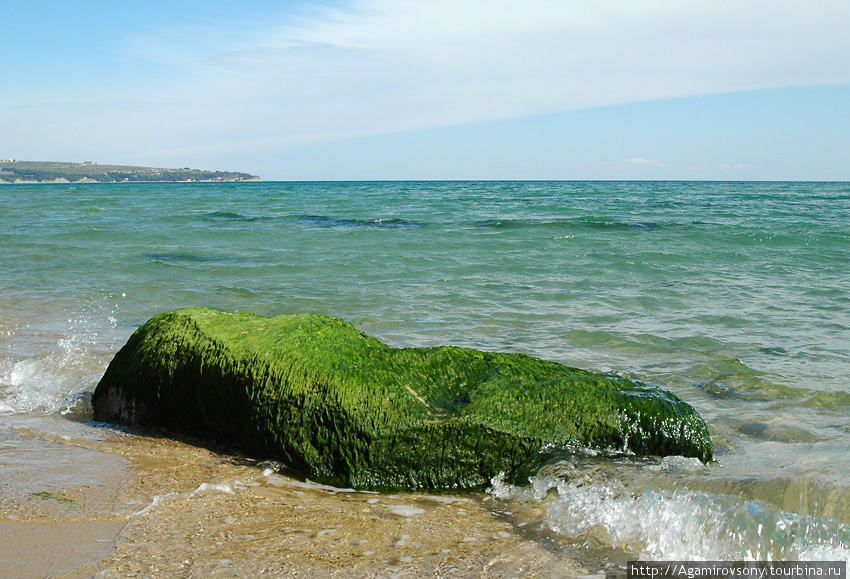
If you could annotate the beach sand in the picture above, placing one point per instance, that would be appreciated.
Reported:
(130, 505)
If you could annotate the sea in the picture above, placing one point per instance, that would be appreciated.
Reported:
(735, 296)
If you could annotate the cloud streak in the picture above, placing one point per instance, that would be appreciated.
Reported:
(642, 161)
(373, 67)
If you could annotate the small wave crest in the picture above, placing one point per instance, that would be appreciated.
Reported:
(343, 223)
(227, 216)
(645, 509)
(52, 366)
(178, 257)
(577, 224)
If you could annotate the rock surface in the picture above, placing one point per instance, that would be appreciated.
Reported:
(343, 408)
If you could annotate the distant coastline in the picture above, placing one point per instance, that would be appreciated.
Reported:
(13, 171)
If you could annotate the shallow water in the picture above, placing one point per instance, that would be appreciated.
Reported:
(732, 295)
(122, 504)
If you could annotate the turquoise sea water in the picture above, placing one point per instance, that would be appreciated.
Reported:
(735, 296)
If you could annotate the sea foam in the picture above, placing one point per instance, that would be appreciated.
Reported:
(648, 516)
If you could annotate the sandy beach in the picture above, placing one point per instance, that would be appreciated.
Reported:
(157, 507)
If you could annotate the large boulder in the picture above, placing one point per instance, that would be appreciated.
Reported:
(343, 408)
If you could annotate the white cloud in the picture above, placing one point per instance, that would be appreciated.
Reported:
(642, 161)
(381, 66)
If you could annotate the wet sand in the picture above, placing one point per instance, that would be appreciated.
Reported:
(145, 506)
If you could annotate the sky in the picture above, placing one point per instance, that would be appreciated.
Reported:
(433, 89)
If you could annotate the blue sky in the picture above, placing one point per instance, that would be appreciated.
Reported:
(434, 89)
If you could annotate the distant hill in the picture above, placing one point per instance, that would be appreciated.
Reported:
(13, 171)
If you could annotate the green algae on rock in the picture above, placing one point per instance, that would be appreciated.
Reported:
(343, 408)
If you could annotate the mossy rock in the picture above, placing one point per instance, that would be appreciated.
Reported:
(343, 408)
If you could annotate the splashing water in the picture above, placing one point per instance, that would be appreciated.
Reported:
(654, 509)
(50, 365)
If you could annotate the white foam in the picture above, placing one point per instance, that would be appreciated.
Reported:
(49, 365)
(405, 510)
(276, 479)
(157, 500)
(599, 509)
(217, 487)
(826, 553)
(444, 500)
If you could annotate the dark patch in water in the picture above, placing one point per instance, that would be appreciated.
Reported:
(773, 350)
(226, 216)
(616, 225)
(756, 429)
(718, 391)
(337, 223)
(572, 224)
(178, 257)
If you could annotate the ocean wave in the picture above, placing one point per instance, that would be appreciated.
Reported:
(654, 509)
(176, 257)
(47, 383)
(52, 367)
(227, 216)
(587, 223)
(345, 223)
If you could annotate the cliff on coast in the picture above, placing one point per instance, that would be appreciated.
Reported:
(14, 171)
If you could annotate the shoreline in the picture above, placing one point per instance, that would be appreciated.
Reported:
(15, 172)
(62, 181)
(165, 507)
